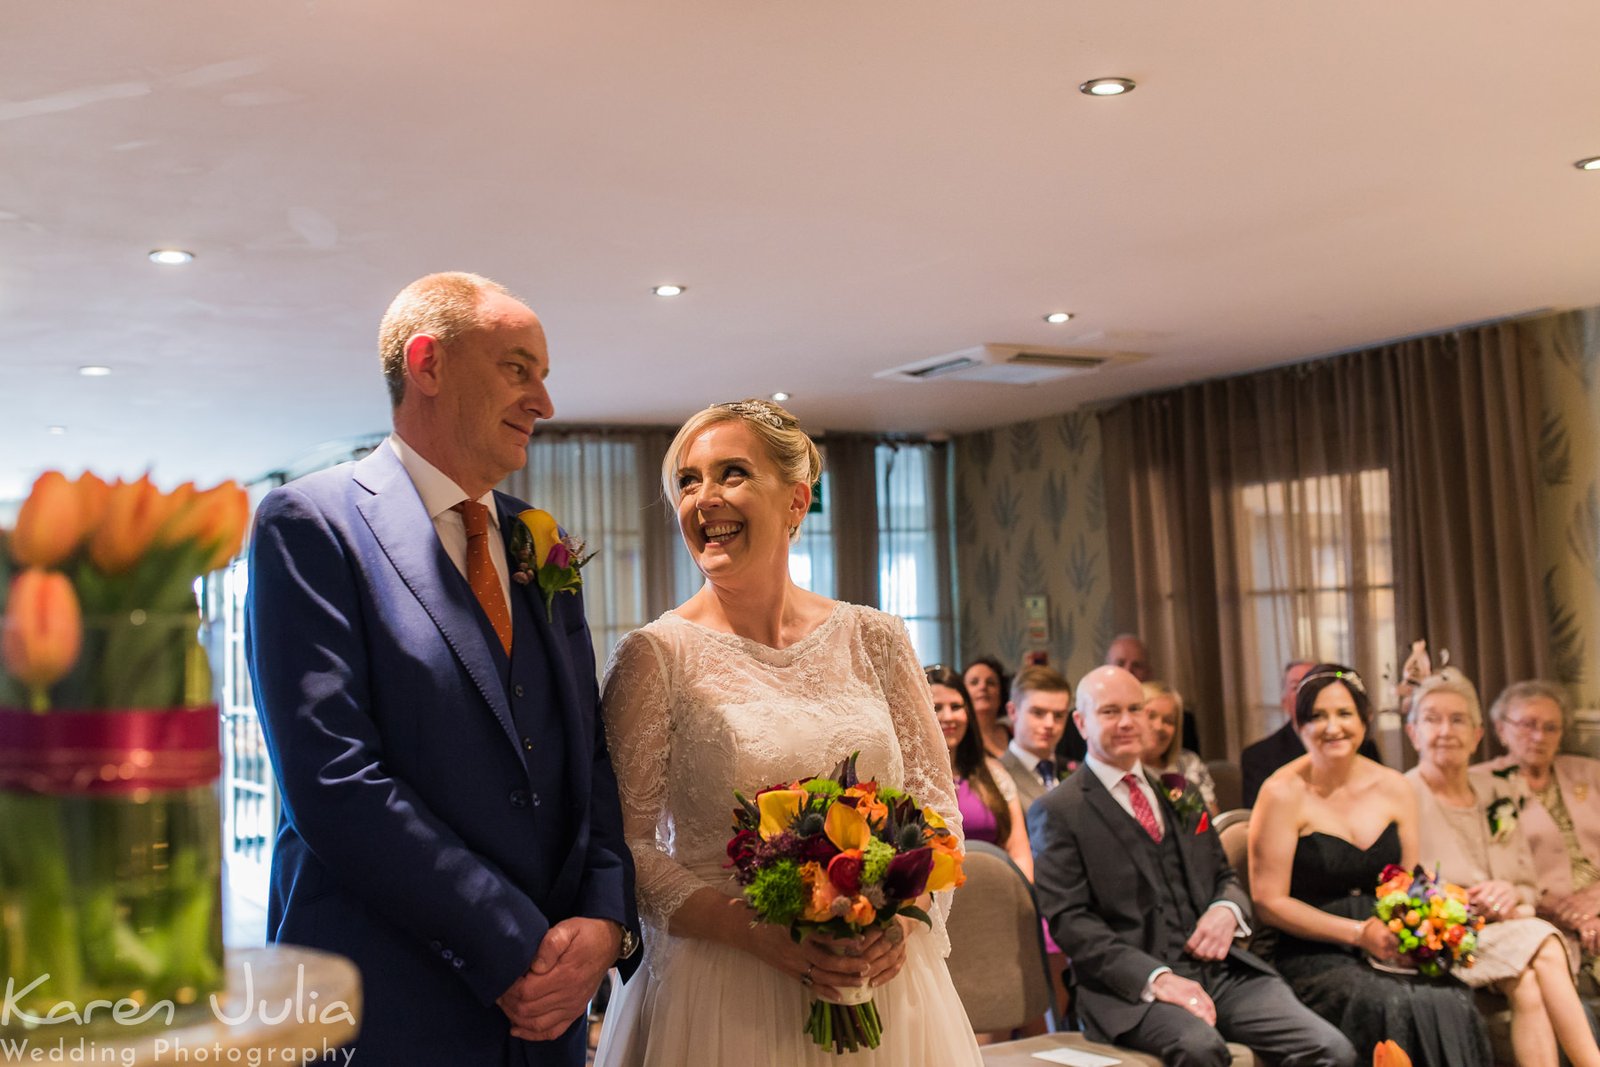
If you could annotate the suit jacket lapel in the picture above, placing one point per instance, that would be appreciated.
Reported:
(404, 530)
(1129, 834)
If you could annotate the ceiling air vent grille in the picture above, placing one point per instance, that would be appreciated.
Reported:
(1008, 364)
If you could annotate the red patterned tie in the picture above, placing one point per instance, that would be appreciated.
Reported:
(481, 574)
(1141, 808)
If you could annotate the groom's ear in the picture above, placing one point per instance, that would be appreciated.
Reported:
(424, 359)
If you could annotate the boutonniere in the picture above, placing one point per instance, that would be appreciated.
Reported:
(547, 556)
(1187, 801)
(1503, 815)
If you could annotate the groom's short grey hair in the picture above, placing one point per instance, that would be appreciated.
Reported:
(443, 306)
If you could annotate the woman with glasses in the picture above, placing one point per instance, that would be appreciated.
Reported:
(1561, 815)
(1468, 826)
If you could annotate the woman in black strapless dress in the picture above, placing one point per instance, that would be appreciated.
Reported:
(1323, 829)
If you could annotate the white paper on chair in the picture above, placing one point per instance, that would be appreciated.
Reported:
(1075, 1057)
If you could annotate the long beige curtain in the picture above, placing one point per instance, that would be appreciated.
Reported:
(1248, 519)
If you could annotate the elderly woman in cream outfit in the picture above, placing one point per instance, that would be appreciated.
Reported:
(1562, 817)
(1468, 825)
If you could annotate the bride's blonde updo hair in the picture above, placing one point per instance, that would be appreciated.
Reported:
(790, 447)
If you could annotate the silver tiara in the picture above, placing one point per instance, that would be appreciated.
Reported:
(759, 410)
(1348, 677)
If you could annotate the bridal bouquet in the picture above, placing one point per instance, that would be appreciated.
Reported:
(109, 749)
(1437, 930)
(840, 857)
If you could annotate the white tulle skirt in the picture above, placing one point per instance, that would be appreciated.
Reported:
(709, 1005)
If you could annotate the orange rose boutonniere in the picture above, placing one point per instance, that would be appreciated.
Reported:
(546, 554)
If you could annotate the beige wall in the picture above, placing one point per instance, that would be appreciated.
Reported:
(1030, 519)
(1569, 509)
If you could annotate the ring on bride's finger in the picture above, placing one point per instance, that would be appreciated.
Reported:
(806, 979)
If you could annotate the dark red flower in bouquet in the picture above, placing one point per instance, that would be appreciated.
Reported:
(1390, 871)
(817, 849)
(844, 871)
(907, 875)
(742, 848)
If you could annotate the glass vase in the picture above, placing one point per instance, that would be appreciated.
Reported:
(110, 841)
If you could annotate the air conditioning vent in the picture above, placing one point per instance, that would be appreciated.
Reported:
(1009, 364)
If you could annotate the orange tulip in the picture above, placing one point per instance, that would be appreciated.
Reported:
(92, 497)
(1389, 1054)
(42, 631)
(135, 513)
(50, 525)
(215, 519)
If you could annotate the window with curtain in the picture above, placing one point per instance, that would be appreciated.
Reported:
(811, 557)
(1317, 578)
(913, 544)
(604, 487)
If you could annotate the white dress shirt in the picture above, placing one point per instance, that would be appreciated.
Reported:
(1112, 778)
(439, 495)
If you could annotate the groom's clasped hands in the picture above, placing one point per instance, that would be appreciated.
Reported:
(571, 963)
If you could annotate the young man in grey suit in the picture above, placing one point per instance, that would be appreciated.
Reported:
(1146, 906)
(1040, 702)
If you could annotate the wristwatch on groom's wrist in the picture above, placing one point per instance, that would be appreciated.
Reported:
(630, 942)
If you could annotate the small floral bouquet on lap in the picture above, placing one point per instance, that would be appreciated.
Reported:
(1187, 801)
(1436, 928)
(839, 857)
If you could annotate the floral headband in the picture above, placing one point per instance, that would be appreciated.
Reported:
(755, 410)
(1348, 677)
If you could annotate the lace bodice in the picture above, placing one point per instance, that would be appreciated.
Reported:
(692, 714)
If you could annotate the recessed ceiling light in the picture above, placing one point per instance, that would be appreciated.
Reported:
(1592, 163)
(1056, 318)
(780, 396)
(171, 257)
(58, 431)
(669, 290)
(1106, 86)
(94, 371)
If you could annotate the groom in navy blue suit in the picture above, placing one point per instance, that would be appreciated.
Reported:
(450, 817)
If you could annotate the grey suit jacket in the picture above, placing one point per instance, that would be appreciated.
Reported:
(1029, 788)
(1098, 891)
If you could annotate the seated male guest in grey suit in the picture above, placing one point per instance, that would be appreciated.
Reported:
(450, 818)
(1147, 908)
(1039, 706)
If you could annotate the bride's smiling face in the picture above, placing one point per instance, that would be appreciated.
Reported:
(735, 510)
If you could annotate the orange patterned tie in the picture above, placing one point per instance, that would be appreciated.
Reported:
(481, 574)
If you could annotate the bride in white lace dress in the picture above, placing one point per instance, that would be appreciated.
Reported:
(749, 682)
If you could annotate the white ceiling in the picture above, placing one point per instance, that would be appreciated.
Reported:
(843, 185)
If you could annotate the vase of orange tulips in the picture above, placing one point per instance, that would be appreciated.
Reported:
(110, 838)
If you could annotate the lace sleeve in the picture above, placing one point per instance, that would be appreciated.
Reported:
(637, 706)
(927, 759)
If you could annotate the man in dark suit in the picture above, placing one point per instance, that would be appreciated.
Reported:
(1147, 908)
(450, 818)
(1259, 760)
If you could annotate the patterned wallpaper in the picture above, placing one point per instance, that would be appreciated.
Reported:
(1030, 520)
(1569, 508)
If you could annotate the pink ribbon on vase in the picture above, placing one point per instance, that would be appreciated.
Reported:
(115, 752)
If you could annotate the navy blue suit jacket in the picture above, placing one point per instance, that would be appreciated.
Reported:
(418, 836)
